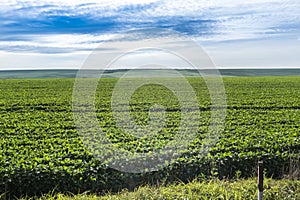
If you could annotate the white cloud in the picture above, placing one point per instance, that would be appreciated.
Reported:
(255, 54)
(66, 42)
(232, 20)
(77, 7)
(13, 61)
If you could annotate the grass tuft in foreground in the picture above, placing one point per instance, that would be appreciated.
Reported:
(210, 189)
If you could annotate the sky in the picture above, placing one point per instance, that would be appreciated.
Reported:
(54, 34)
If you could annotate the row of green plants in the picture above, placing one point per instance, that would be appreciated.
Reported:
(42, 151)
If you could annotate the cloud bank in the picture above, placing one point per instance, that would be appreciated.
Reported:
(59, 29)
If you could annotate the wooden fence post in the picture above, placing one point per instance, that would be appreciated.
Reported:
(260, 180)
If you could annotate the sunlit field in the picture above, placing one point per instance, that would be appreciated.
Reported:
(42, 152)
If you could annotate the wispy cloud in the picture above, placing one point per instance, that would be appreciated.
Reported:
(54, 43)
(63, 26)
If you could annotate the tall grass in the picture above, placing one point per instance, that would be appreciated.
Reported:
(241, 189)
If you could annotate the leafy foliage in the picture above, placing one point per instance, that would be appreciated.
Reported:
(41, 150)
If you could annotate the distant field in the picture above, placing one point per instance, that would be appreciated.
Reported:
(148, 73)
(41, 150)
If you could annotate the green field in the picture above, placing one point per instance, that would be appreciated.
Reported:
(41, 150)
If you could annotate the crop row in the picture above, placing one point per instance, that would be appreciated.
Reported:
(41, 149)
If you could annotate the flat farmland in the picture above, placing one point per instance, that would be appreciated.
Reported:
(42, 151)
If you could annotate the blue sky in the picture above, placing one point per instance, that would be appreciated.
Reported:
(61, 34)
